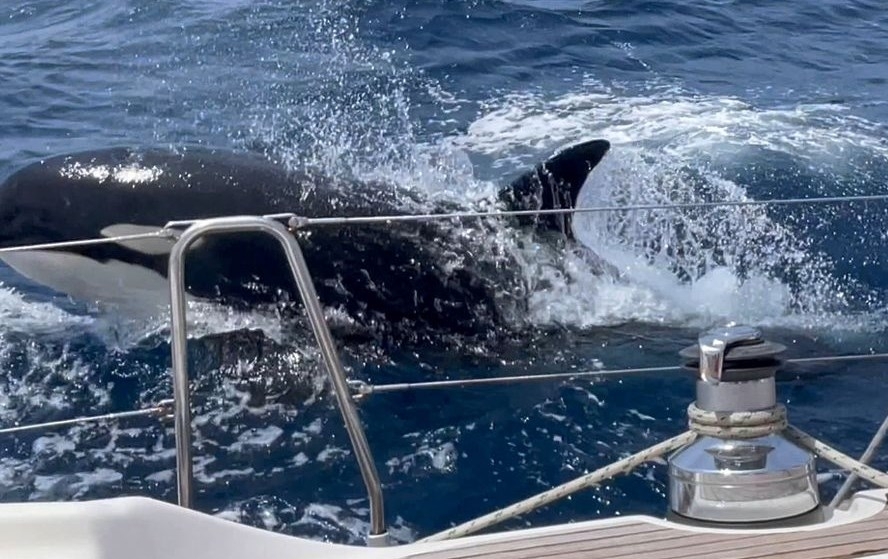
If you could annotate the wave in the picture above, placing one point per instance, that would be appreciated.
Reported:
(693, 267)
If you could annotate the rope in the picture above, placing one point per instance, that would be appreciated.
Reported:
(724, 425)
(749, 425)
(737, 425)
(556, 493)
(826, 452)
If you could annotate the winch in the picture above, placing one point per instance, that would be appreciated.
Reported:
(741, 469)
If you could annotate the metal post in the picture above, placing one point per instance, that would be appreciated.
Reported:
(864, 459)
(181, 394)
(306, 288)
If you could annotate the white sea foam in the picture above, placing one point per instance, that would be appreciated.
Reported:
(690, 268)
(668, 273)
(19, 314)
(680, 123)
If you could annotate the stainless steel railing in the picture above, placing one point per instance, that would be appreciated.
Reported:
(301, 275)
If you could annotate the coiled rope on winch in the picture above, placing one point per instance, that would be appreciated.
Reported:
(750, 425)
(737, 425)
(724, 425)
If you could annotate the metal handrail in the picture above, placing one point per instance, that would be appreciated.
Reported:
(271, 226)
(169, 230)
(362, 390)
(301, 275)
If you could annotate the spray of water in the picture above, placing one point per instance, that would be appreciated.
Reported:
(695, 266)
(346, 108)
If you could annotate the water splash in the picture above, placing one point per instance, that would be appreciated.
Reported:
(347, 108)
(695, 266)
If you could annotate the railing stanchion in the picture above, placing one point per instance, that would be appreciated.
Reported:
(306, 288)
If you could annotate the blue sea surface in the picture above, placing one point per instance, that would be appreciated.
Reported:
(707, 100)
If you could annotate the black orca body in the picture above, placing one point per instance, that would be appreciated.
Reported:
(435, 274)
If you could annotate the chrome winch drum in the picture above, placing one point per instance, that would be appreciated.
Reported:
(739, 480)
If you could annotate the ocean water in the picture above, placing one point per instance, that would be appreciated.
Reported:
(710, 100)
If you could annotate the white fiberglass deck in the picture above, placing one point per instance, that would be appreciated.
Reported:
(140, 528)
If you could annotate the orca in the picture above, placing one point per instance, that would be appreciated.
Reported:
(437, 274)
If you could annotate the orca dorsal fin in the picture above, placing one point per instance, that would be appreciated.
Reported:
(555, 184)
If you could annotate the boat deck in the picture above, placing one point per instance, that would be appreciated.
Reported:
(141, 528)
(644, 540)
